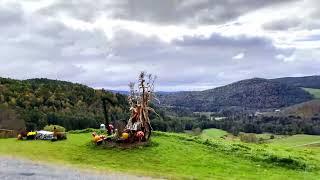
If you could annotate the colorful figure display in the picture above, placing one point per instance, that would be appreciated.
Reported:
(42, 135)
(31, 135)
(125, 136)
(138, 127)
(140, 135)
(98, 139)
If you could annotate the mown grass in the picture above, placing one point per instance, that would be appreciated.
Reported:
(301, 143)
(296, 140)
(213, 133)
(315, 92)
(170, 155)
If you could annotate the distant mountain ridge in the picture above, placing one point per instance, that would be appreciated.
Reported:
(127, 92)
(45, 96)
(256, 93)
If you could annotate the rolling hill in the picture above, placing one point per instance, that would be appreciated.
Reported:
(314, 92)
(38, 102)
(306, 81)
(253, 94)
(305, 110)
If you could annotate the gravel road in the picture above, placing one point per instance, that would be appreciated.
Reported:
(13, 169)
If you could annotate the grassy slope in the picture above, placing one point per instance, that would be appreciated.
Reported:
(213, 133)
(309, 145)
(169, 156)
(296, 140)
(300, 143)
(315, 92)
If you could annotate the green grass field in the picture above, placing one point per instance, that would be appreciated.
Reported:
(300, 143)
(299, 140)
(176, 156)
(213, 133)
(315, 92)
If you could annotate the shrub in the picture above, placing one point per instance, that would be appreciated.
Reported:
(261, 140)
(87, 130)
(51, 127)
(272, 137)
(196, 131)
(248, 138)
(7, 133)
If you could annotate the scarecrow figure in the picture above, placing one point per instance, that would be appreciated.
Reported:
(139, 101)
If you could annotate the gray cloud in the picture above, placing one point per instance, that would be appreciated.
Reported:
(36, 46)
(39, 45)
(307, 19)
(293, 23)
(10, 15)
(221, 41)
(191, 12)
(283, 24)
(197, 61)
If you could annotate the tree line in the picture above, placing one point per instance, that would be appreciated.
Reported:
(40, 102)
(287, 125)
(33, 104)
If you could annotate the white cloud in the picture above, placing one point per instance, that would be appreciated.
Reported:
(286, 58)
(239, 56)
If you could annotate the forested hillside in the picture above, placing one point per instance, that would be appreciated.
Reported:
(35, 103)
(247, 94)
(305, 110)
(306, 82)
(303, 118)
(38, 102)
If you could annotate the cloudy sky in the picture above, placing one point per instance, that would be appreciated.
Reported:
(188, 44)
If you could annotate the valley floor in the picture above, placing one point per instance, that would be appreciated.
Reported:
(169, 156)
